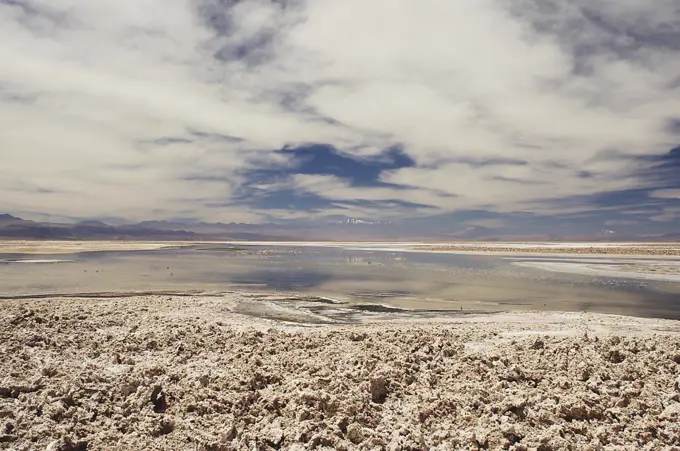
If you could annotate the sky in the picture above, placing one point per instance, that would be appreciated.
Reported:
(533, 114)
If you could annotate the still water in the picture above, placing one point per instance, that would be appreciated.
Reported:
(402, 280)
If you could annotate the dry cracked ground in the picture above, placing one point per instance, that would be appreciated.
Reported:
(171, 373)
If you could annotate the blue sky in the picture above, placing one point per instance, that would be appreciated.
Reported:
(519, 115)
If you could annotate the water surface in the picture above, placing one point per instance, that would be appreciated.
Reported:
(360, 278)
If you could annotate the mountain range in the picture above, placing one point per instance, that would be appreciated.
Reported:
(12, 227)
(348, 229)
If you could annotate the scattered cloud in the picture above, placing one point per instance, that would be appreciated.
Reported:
(667, 214)
(620, 222)
(495, 223)
(666, 194)
(275, 110)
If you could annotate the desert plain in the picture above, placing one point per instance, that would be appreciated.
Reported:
(200, 372)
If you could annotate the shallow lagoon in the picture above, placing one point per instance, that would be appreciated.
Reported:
(362, 279)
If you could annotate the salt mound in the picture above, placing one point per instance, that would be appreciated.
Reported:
(176, 373)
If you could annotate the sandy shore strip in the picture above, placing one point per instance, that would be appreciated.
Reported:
(627, 249)
(74, 247)
(668, 270)
(186, 372)
(565, 249)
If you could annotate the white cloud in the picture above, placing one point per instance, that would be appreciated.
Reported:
(85, 88)
(342, 194)
(668, 214)
(492, 223)
(620, 222)
(666, 194)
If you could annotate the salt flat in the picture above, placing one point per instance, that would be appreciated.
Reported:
(659, 269)
(561, 249)
(73, 247)
(580, 248)
(239, 370)
(187, 372)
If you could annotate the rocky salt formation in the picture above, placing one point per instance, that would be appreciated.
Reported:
(187, 373)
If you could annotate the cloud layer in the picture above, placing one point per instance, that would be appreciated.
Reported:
(208, 109)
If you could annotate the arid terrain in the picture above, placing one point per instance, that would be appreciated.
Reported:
(622, 249)
(186, 372)
(73, 247)
(632, 249)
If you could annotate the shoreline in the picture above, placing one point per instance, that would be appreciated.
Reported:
(665, 250)
(651, 272)
(175, 372)
(631, 250)
(58, 247)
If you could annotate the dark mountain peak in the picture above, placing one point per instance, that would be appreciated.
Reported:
(8, 217)
(154, 222)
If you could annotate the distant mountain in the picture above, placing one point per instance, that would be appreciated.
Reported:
(160, 225)
(4, 217)
(348, 229)
(670, 237)
(12, 227)
(91, 224)
(221, 231)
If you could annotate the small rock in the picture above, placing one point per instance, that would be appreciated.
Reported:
(354, 336)
(538, 344)
(274, 435)
(165, 427)
(355, 433)
(158, 400)
(229, 434)
(616, 356)
(7, 438)
(378, 387)
(67, 445)
(342, 424)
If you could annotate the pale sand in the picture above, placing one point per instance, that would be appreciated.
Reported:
(73, 247)
(561, 249)
(179, 372)
(646, 270)
(630, 250)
